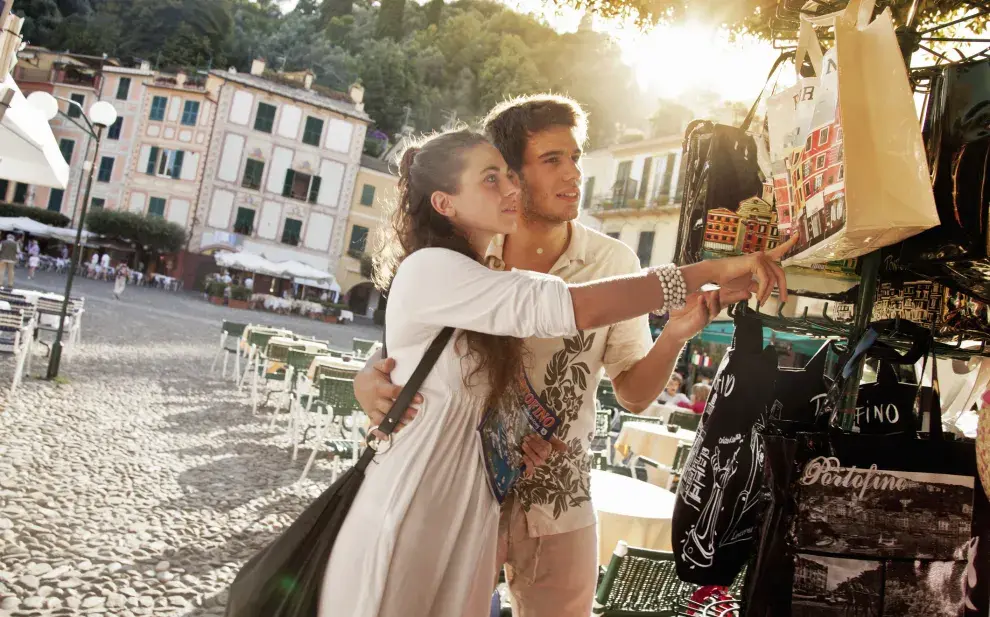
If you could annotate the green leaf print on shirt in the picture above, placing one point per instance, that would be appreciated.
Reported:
(563, 481)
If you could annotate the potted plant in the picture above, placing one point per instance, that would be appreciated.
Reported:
(214, 290)
(331, 312)
(240, 297)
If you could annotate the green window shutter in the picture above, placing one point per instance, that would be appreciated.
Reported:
(177, 164)
(287, 187)
(153, 160)
(314, 189)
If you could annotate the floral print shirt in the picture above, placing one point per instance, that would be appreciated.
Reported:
(565, 374)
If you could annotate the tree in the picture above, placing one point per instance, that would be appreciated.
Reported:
(390, 19)
(148, 233)
(753, 16)
(335, 8)
(434, 11)
(41, 18)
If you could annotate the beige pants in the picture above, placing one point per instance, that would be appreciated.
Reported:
(549, 576)
(7, 268)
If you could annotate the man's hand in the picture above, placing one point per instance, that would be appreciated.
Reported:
(536, 451)
(375, 392)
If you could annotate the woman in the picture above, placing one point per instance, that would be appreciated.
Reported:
(420, 537)
(34, 258)
(120, 281)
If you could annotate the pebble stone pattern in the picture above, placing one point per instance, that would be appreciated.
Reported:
(141, 485)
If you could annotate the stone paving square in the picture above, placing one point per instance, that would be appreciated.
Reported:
(140, 484)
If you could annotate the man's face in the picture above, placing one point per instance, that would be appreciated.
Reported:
(551, 176)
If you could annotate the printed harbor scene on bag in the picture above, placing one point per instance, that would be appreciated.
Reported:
(880, 513)
(839, 587)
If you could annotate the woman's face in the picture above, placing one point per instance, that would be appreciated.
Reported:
(488, 200)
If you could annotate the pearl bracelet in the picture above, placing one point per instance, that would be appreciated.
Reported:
(674, 287)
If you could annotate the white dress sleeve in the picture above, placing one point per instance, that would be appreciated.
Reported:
(440, 287)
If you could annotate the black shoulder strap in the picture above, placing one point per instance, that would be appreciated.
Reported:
(773, 69)
(409, 391)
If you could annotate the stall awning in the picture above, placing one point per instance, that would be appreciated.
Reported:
(35, 228)
(30, 153)
(721, 332)
(250, 262)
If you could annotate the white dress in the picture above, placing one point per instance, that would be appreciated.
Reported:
(420, 538)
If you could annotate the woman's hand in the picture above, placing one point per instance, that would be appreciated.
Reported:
(536, 451)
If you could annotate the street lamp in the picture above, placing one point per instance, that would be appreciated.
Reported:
(101, 115)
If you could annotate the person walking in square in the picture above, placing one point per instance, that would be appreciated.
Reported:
(8, 258)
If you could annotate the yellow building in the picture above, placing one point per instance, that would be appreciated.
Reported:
(374, 186)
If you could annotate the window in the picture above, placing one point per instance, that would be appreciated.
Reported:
(156, 207)
(123, 88)
(645, 249)
(265, 118)
(66, 146)
(647, 167)
(668, 176)
(20, 193)
(158, 105)
(190, 113)
(76, 111)
(114, 132)
(589, 191)
(244, 223)
(679, 189)
(97, 203)
(823, 136)
(367, 195)
(4, 187)
(252, 174)
(55, 200)
(820, 161)
(291, 231)
(106, 169)
(359, 241)
(165, 162)
(619, 192)
(301, 186)
(313, 131)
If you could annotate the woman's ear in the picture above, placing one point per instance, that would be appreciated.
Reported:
(442, 203)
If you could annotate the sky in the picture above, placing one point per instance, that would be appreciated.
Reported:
(669, 60)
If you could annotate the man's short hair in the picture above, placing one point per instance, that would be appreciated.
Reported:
(511, 123)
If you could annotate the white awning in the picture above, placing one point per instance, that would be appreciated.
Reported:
(301, 273)
(35, 228)
(30, 153)
(298, 270)
(248, 262)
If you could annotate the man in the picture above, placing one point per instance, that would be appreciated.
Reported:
(547, 535)
(249, 283)
(672, 394)
(8, 257)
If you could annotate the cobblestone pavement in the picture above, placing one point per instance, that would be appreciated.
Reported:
(140, 483)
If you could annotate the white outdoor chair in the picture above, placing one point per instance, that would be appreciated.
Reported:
(230, 332)
(16, 336)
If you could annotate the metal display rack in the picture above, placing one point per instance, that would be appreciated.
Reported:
(784, 26)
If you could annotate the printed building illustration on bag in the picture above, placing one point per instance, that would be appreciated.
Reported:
(810, 577)
(750, 229)
(927, 302)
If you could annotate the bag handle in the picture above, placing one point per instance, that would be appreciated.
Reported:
(773, 69)
(857, 12)
(809, 46)
(405, 396)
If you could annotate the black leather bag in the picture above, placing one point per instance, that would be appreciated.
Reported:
(957, 131)
(285, 578)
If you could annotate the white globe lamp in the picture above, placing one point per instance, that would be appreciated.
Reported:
(44, 103)
(102, 114)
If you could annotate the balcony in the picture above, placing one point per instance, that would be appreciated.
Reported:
(607, 206)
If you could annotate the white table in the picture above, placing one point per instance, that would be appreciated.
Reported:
(630, 510)
(653, 441)
(343, 364)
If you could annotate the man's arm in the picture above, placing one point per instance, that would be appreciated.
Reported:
(638, 386)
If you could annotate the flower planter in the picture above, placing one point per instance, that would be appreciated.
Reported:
(216, 300)
(330, 318)
(238, 304)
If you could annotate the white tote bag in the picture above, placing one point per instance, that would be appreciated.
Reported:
(848, 161)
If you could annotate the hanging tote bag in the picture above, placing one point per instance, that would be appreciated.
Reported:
(850, 173)
(719, 497)
(285, 578)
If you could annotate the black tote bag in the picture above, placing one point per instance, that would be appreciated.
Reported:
(719, 496)
(285, 578)
(871, 525)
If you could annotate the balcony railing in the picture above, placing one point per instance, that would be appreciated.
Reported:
(607, 203)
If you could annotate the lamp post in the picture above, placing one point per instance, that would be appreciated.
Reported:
(101, 115)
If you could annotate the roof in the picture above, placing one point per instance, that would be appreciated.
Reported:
(127, 71)
(299, 94)
(370, 162)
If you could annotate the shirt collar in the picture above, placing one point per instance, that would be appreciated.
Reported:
(577, 249)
